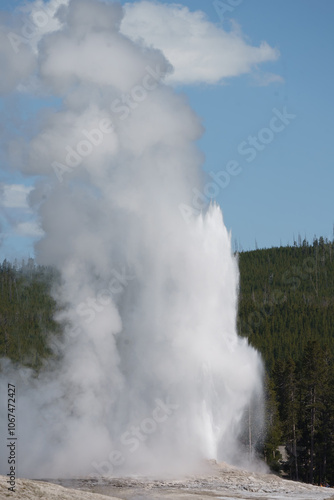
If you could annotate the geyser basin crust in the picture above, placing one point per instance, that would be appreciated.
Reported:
(27, 489)
(220, 481)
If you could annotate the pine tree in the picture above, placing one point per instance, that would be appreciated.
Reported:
(313, 385)
(273, 425)
(286, 386)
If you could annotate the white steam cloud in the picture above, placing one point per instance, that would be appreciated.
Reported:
(199, 51)
(150, 374)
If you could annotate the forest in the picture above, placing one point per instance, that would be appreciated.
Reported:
(286, 310)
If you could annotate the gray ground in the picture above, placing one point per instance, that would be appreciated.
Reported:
(221, 482)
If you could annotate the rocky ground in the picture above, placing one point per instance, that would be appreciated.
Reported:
(26, 489)
(221, 482)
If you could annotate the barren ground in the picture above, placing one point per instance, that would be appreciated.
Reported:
(221, 482)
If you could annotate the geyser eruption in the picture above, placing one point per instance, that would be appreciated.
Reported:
(150, 373)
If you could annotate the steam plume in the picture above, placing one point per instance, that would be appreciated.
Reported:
(152, 372)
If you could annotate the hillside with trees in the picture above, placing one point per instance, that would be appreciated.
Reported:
(286, 310)
(287, 299)
(26, 313)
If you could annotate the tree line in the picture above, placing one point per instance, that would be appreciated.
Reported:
(27, 310)
(286, 309)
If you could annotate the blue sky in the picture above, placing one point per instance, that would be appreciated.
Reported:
(288, 188)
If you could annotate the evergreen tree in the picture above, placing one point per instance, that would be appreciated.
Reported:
(273, 427)
(314, 387)
(287, 397)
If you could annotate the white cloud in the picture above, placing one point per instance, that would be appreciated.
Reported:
(200, 51)
(14, 196)
(29, 229)
(64, 53)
